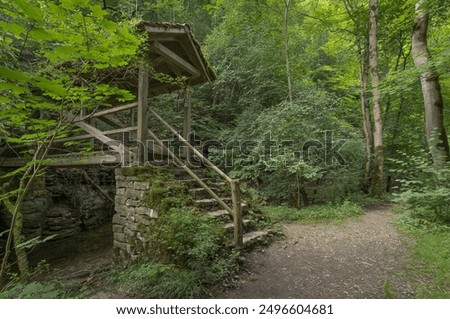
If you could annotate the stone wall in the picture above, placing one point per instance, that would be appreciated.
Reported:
(63, 203)
(131, 215)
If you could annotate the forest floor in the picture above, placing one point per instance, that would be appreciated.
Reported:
(359, 258)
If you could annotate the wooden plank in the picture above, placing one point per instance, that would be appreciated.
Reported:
(237, 214)
(195, 56)
(66, 161)
(95, 132)
(174, 58)
(86, 136)
(166, 30)
(142, 122)
(111, 110)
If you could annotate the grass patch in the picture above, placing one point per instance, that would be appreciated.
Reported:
(389, 290)
(431, 253)
(156, 280)
(314, 214)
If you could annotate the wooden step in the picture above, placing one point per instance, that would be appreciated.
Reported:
(192, 183)
(219, 214)
(252, 238)
(229, 227)
(201, 193)
(210, 203)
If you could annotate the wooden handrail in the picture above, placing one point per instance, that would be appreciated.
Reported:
(191, 173)
(196, 152)
(86, 136)
(109, 111)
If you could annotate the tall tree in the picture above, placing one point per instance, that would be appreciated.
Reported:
(360, 32)
(287, 4)
(378, 178)
(431, 89)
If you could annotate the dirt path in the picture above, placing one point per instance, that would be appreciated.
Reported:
(351, 260)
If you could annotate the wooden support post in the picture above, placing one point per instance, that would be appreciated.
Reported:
(83, 114)
(237, 214)
(187, 123)
(142, 114)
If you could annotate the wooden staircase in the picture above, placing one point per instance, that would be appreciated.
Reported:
(208, 205)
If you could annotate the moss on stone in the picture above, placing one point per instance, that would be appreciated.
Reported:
(164, 192)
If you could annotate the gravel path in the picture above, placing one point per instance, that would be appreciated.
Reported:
(350, 260)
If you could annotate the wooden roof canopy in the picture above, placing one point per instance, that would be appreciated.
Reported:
(174, 51)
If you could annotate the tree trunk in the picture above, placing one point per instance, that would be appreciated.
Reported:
(431, 89)
(378, 178)
(365, 108)
(287, 4)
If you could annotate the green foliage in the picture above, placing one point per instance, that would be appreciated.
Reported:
(431, 252)
(425, 187)
(156, 280)
(53, 59)
(185, 238)
(288, 151)
(186, 255)
(314, 214)
(31, 288)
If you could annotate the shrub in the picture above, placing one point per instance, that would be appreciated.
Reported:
(424, 187)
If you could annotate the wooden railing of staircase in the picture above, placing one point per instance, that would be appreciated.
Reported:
(236, 209)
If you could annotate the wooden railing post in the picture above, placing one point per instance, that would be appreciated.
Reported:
(237, 214)
(187, 123)
(142, 114)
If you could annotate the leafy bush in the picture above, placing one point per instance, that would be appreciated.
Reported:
(329, 212)
(424, 187)
(30, 288)
(295, 152)
(33, 290)
(185, 238)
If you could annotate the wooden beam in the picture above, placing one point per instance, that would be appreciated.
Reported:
(142, 114)
(86, 136)
(111, 143)
(194, 56)
(237, 214)
(174, 58)
(187, 120)
(111, 110)
(67, 161)
(166, 30)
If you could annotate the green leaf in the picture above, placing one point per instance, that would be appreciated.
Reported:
(14, 75)
(28, 8)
